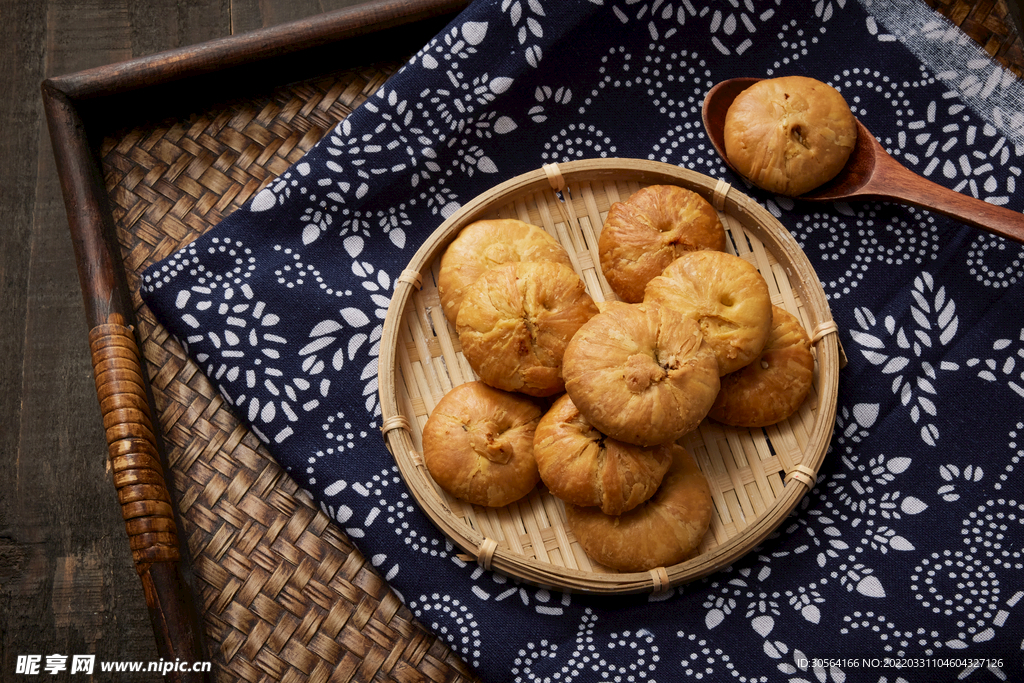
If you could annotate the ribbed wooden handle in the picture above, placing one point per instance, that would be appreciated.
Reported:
(122, 392)
(131, 441)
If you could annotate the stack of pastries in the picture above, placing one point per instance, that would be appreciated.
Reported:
(592, 399)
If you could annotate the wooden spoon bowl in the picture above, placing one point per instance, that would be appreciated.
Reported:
(871, 173)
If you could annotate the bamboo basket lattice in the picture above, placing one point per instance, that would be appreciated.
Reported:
(756, 476)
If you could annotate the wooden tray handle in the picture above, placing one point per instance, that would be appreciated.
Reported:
(124, 397)
(146, 503)
(131, 441)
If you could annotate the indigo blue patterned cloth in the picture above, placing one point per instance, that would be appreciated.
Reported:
(910, 544)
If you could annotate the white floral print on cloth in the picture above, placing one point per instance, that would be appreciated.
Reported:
(908, 546)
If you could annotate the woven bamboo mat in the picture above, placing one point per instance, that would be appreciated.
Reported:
(283, 594)
(989, 23)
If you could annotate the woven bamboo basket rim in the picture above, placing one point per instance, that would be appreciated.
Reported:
(756, 476)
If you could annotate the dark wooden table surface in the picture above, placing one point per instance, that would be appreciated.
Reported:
(67, 584)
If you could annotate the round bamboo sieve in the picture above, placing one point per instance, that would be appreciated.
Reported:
(756, 476)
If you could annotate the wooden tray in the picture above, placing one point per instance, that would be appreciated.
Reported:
(236, 566)
(756, 476)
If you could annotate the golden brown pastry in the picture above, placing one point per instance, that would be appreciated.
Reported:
(641, 373)
(726, 296)
(582, 466)
(650, 230)
(661, 532)
(516, 320)
(789, 135)
(487, 243)
(478, 444)
(775, 384)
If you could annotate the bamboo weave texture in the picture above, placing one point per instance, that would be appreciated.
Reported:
(283, 594)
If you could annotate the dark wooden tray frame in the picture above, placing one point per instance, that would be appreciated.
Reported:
(80, 109)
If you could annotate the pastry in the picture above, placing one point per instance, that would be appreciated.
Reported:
(516, 320)
(789, 135)
(478, 444)
(725, 296)
(584, 467)
(661, 532)
(641, 373)
(487, 243)
(649, 230)
(775, 384)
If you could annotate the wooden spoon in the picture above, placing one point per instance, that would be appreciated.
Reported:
(871, 173)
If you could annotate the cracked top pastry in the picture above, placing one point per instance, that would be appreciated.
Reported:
(478, 444)
(789, 135)
(641, 373)
(774, 385)
(487, 243)
(516, 320)
(584, 467)
(665, 530)
(726, 296)
(649, 230)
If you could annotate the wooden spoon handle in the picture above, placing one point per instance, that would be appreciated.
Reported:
(907, 187)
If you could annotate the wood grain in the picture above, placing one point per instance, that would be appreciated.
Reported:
(66, 586)
(67, 581)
